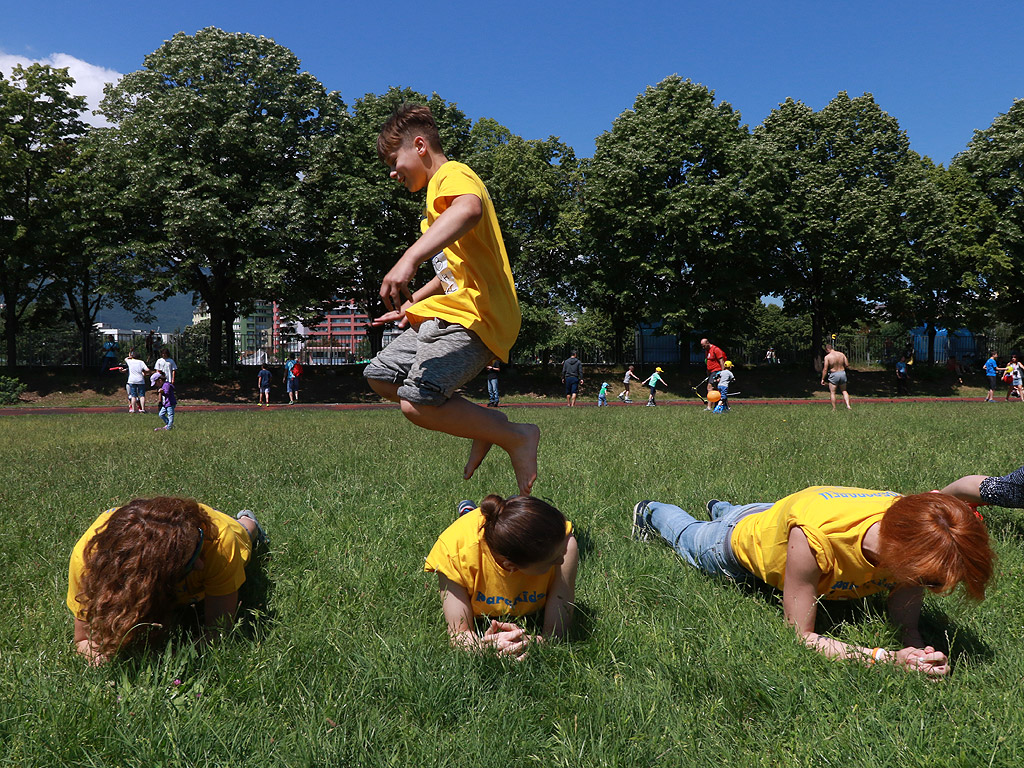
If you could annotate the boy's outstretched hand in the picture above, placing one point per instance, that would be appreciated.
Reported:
(395, 316)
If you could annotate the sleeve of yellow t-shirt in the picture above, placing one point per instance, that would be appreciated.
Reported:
(452, 184)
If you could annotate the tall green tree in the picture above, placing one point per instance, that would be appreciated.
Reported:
(833, 187)
(948, 256)
(217, 133)
(96, 268)
(39, 124)
(995, 160)
(671, 228)
(374, 218)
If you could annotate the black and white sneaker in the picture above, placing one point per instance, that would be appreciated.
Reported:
(641, 521)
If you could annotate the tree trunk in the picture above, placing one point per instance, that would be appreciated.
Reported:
(932, 333)
(375, 337)
(229, 334)
(817, 332)
(216, 335)
(11, 335)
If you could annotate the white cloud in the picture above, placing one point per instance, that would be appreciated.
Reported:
(89, 78)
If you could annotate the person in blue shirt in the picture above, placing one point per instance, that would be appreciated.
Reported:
(902, 376)
(992, 372)
(263, 384)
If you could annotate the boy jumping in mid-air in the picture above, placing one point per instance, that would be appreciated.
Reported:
(465, 316)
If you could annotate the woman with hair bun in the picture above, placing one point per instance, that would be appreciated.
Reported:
(506, 559)
(136, 564)
(834, 543)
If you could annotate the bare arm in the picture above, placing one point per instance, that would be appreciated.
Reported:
(462, 214)
(800, 600)
(799, 603)
(506, 638)
(967, 488)
(560, 603)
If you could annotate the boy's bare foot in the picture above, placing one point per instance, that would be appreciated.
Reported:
(476, 455)
(524, 456)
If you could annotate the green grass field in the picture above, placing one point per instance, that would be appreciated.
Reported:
(346, 662)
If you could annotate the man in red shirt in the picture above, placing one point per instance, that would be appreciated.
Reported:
(715, 360)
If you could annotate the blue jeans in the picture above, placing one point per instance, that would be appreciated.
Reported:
(492, 390)
(167, 414)
(704, 544)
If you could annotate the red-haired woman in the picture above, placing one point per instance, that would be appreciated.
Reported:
(507, 559)
(136, 564)
(830, 542)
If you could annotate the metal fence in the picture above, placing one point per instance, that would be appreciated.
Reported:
(37, 349)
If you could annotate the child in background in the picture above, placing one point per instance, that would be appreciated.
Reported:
(602, 396)
(652, 382)
(168, 400)
(263, 384)
(465, 316)
(507, 559)
(725, 378)
(626, 379)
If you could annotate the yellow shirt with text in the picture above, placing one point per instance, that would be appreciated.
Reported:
(479, 292)
(224, 555)
(462, 555)
(834, 519)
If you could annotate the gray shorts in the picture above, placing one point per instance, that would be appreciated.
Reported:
(430, 362)
(837, 379)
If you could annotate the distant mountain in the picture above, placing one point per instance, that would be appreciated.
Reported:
(172, 315)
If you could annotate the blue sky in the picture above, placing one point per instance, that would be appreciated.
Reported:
(943, 69)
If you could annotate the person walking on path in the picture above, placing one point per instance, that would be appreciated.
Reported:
(715, 359)
(1016, 383)
(493, 370)
(629, 376)
(833, 370)
(652, 381)
(167, 400)
(992, 374)
(572, 377)
(263, 385)
(137, 370)
(292, 378)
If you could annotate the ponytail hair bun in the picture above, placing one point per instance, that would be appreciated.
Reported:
(522, 529)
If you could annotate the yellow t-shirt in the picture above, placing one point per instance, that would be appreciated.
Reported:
(225, 556)
(834, 519)
(479, 292)
(462, 555)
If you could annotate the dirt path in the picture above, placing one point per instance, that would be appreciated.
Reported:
(185, 408)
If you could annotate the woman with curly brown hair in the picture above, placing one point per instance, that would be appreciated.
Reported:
(834, 543)
(136, 564)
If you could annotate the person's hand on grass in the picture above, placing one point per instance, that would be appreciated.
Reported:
(507, 639)
(926, 660)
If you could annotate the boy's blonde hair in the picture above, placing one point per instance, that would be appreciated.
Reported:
(407, 121)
